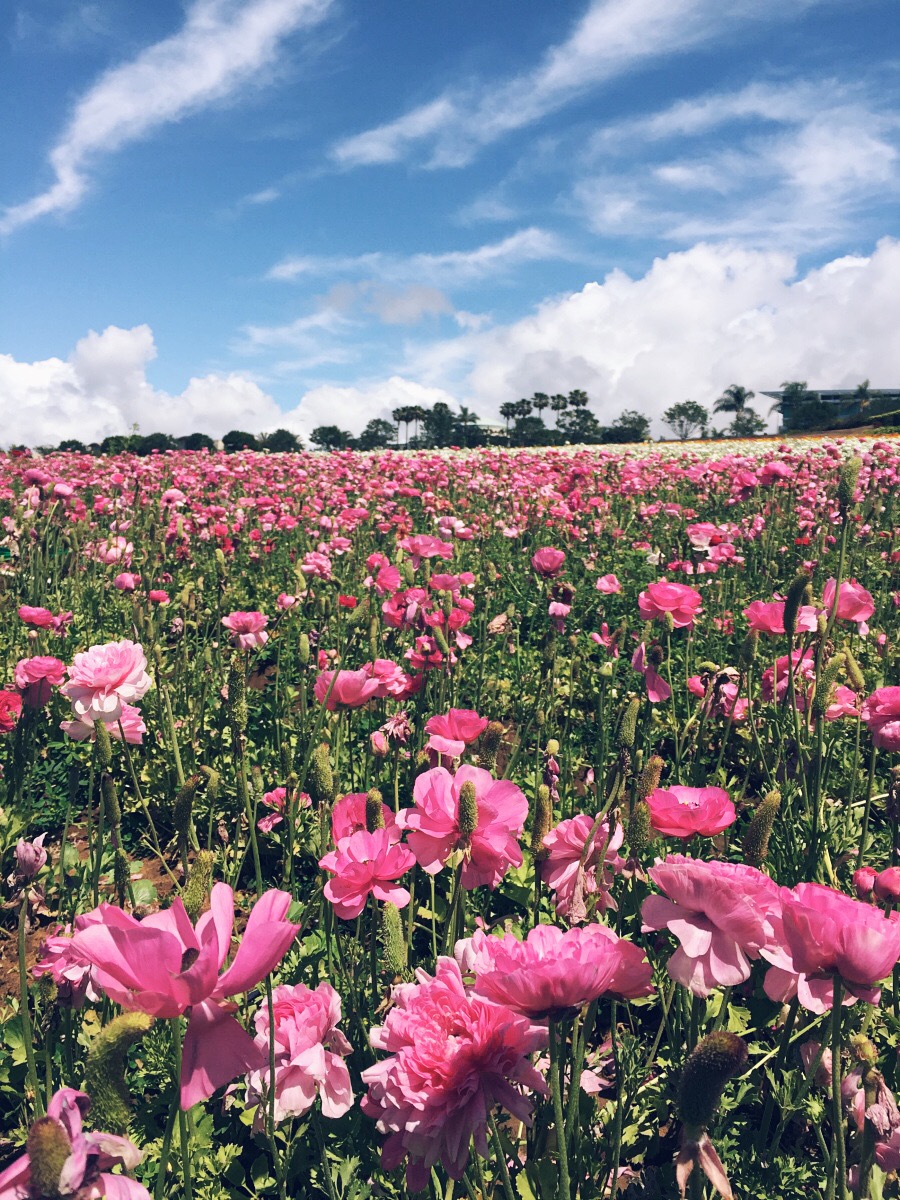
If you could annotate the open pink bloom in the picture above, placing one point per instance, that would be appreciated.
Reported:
(127, 581)
(826, 934)
(768, 617)
(548, 562)
(454, 1057)
(391, 678)
(681, 601)
(131, 720)
(352, 689)
(553, 972)
(423, 545)
(723, 915)
(86, 1171)
(854, 603)
(10, 710)
(609, 585)
(248, 629)
(36, 677)
(39, 618)
(349, 816)
(491, 849)
(104, 678)
(574, 881)
(276, 799)
(60, 959)
(366, 864)
(658, 691)
(776, 680)
(309, 1054)
(164, 966)
(450, 734)
(881, 713)
(844, 703)
(684, 811)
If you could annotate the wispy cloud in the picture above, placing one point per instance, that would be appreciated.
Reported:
(223, 45)
(612, 38)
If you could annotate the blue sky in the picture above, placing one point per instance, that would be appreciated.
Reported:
(218, 214)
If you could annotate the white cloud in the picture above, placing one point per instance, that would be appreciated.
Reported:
(102, 389)
(352, 408)
(222, 45)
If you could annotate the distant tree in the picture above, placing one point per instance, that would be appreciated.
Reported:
(508, 412)
(438, 424)
(529, 431)
(579, 426)
(686, 419)
(540, 401)
(578, 398)
(746, 424)
(558, 404)
(863, 395)
(117, 443)
(633, 424)
(197, 441)
(734, 399)
(330, 437)
(143, 446)
(466, 418)
(377, 435)
(400, 418)
(282, 441)
(237, 439)
(72, 446)
(417, 415)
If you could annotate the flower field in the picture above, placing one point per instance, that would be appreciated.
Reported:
(495, 825)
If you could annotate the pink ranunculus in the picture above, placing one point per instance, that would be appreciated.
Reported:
(548, 562)
(451, 733)
(126, 581)
(826, 934)
(36, 677)
(248, 629)
(130, 719)
(768, 617)
(776, 680)
(658, 691)
(575, 881)
(309, 1054)
(555, 972)
(285, 601)
(39, 618)
(158, 596)
(349, 816)
(366, 864)
(164, 966)
(85, 1172)
(352, 689)
(453, 1058)
(685, 811)
(844, 703)
(31, 857)
(433, 824)
(853, 604)
(276, 800)
(10, 710)
(423, 545)
(723, 915)
(391, 678)
(660, 598)
(104, 678)
(881, 713)
(609, 585)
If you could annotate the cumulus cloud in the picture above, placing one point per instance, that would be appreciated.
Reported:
(351, 408)
(222, 45)
(102, 389)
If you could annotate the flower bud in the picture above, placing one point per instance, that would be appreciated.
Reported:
(30, 857)
(826, 684)
(543, 819)
(374, 811)
(749, 648)
(182, 808)
(756, 839)
(855, 677)
(104, 1071)
(321, 777)
(393, 943)
(864, 882)
(303, 649)
(650, 776)
(848, 478)
(111, 800)
(714, 1060)
(104, 746)
(121, 875)
(196, 890)
(552, 746)
(48, 1149)
(379, 744)
(887, 884)
(798, 594)
(628, 724)
(491, 741)
(467, 817)
(640, 830)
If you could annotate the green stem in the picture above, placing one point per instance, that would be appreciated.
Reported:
(323, 1154)
(837, 1115)
(557, 1035)
(501, 1159)
(27, 1036)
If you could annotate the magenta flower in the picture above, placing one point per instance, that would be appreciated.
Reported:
(349, 816)
(10, 710)
(574, 881)
(104, 678)
(162, 965)
(248, 629)
(553, 972)
(658, 691)
(451, 734)
(723, 915)
(366, 864)
(85, 1172)
(768, 617)
(423, 545)
(435, 836)
(660, 598)
(36, 677)
(775, 680)
(881, 713)
(276, 799)
(309, 1054)
(352, 689)
(684, 811)
(854, 603)
(548, 562)
(454, 1057)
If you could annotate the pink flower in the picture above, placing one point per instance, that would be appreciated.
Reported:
(684, 811)
(548, 562)
(553, 972)
(451, 734)
(768, 617)
(349, 816)
(85, 1171)
(30, 857)
(285, 601)
(854, 603)
(126, 581)
(158, 596)
(164, 966)
(276, 799)
(391, 678)
(609, 585)
(881, 713)
(104, 678)
(352, 689)
(775, 680)
(248, 629)
(10, 710)
(826, 934)
(681, 601)
(423, 545)
(435, 836)
(454, 1058)
(723, 915)
(363, 864)
(35, 677)
(40, 618)
(658, 691)
(309, 1053)
(844, 703)
(564, 872)
(130, 719)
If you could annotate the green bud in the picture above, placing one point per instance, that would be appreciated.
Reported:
(605, 670)
(212, 783)
(183, 806)
(321, 777)
(714, 1060)
(104, 1072)
(197, 889)
(304, 649)
(393, 943)
(374, 811)
(491, 741)
(287, 758)
(749, 648)
(104, 746)
(798, 594)
(237, 696)
(467, 818)
(357, 617)
(374, 630)
(121, 875)
(540, 718)
(825, 686)
(628, 723)
(111, 801)
(48, 1149)
(863, 1049)
(670, 622)
(302, 585)
(543, 820)
(756, 839)
(848, 478)
(650, 776)
(855, 677)
(640, 832)
(438, 634)
(552, 746)
(406, 569)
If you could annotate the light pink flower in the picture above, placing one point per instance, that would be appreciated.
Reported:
(126, 581)
(853, 604)
(563, 871)
(392, 680)
(423, 545)
(248, 629)
(660, 598)
(450, 734)
(130, 719)
(36, 677)
(609, 585)
(104, 678)
(351, 689)
(366, 864)
(548, 562)
(164, 966)
(658, 691)
(309, 1054)
(454, 1058)
(683, 812)
(881, 713)
(276, 799)
(775, 680)
(433, 824)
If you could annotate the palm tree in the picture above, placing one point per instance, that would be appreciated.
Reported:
(559, 404)
(793, 393)
(578, 398)
(863, 395)
(508, 413)
(523, 409)
(401, 417)
(734, 399)
(466, 418)
(540, 401)
(416, 414)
